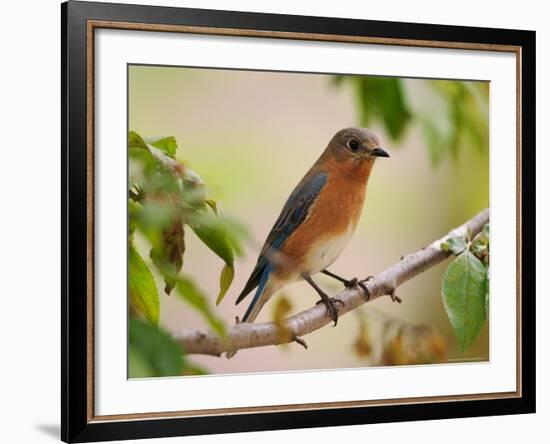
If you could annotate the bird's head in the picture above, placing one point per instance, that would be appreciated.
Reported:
(355, 145)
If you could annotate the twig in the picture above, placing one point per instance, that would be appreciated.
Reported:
(246, 335)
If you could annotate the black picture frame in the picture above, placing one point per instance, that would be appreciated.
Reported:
(76, 327)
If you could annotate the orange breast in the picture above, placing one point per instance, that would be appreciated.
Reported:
(330, 223)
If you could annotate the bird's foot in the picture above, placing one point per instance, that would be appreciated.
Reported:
(330, 303)
(352, 283)
(349, 283)
(299, 340)
(392, 294)
(332, 309)
(361, 284)
(394, 297)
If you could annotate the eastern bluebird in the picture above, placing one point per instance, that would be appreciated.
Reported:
(317, 220)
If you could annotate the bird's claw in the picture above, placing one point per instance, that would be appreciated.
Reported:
(332, 310)
(392, 294)
(363, 287)
(299, 340)
(357, 283)
(394, 297)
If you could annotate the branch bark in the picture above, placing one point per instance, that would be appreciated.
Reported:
(246, 335)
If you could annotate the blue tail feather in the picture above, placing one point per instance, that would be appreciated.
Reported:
(259, 292)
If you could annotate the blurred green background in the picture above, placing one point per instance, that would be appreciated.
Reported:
(253, 135)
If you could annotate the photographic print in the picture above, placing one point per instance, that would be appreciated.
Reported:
(276, 221)
(279, 221)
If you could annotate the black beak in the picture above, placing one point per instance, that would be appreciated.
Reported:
(379, 152)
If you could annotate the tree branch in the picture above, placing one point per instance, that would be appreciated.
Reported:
(246, 335)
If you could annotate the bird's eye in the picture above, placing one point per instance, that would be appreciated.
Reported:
(353, 145)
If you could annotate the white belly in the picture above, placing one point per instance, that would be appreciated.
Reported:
(326, 251)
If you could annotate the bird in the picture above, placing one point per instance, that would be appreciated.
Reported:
(316, 222)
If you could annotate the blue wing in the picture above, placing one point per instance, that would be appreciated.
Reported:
(293, 214)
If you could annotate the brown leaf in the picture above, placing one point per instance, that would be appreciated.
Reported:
(167, 255)
(414, 344)
(362, 345)
(280, 313)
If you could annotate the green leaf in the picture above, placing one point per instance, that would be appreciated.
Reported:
(479, 248)
(383, 98)
(151, 168)
(154, 158)
(135, 140)
(168, 145)
(226, 278)
(142, 287)
(454, 244)
(221, 234)
(133, 214)
(155, 216)
(213, 232)
(162, 225)
(138, 366)
(191, 294)
(487, 293)
(464, 291)
(455, 115)
(437, 141)
(152, 352)
(480, 245)
(212, 204)
(215, 237)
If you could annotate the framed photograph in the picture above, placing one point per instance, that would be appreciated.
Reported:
(275, 221)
